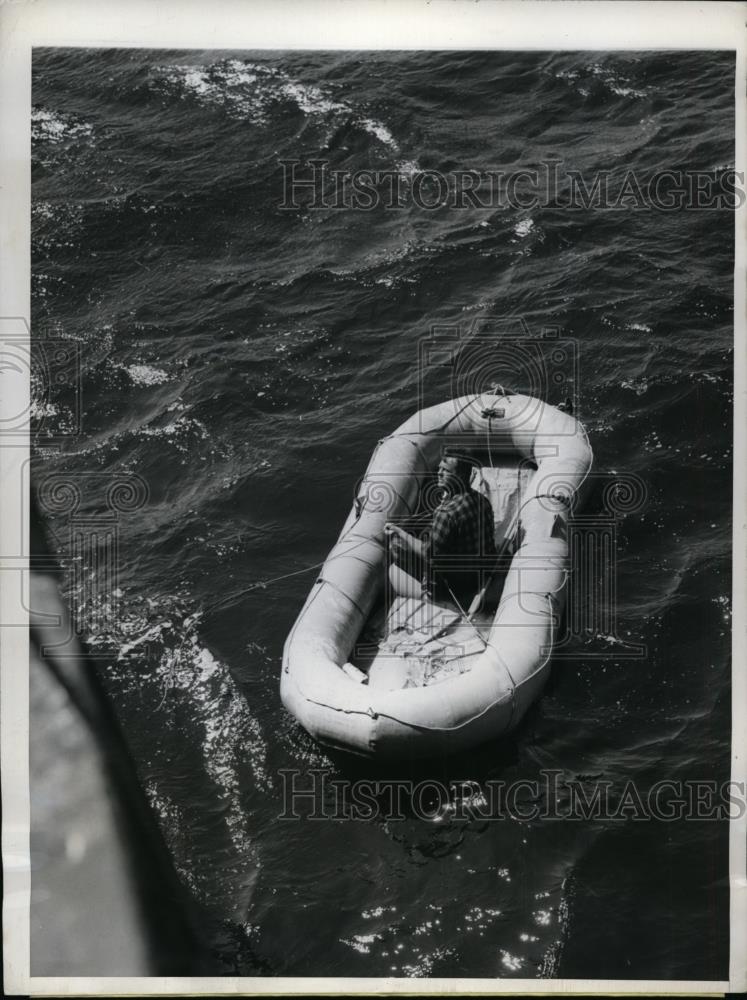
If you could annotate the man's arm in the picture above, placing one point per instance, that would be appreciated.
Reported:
(434, 540)
(410, 543)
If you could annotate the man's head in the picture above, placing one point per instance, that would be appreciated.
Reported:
(454, 471)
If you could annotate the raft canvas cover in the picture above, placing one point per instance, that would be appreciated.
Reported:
(380, 675)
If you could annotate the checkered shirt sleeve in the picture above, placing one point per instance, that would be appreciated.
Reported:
(462, 525)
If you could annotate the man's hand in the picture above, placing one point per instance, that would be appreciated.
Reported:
(401, 541)
(394, 529)
(398, 547)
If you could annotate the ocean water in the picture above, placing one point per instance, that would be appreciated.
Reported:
(243, 360)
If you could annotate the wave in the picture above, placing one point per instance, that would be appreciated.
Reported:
(594, 75)
(252, 91)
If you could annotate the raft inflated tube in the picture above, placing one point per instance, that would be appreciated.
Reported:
(317, 686)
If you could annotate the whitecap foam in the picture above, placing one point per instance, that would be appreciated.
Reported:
(39, 410)
(176, 428)
(248, 89)
(54, 126)
(408, 168)
(147, 375)
(377, 911)
(623, 91)
(617, 83)
(612, 80)
(196, 80)
(381, 132)
(638, 386)
(311, 100)
(232, 85)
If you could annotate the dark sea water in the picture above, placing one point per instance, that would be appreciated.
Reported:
(243, 361)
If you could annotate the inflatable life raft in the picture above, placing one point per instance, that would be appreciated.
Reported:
(367, 671)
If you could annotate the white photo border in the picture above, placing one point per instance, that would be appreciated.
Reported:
(329, 25)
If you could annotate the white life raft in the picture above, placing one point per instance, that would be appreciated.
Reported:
(496, 661)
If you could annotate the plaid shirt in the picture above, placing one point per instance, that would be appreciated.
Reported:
(461, 526)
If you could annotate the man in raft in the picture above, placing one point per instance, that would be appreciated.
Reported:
(461, 527)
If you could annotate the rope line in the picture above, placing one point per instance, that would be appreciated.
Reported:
(347, 597)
